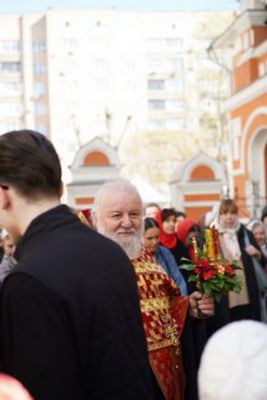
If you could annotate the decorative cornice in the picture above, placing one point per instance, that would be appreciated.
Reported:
(247, 94)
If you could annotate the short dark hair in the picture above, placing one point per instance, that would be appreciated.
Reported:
(167, 212)
(151, 205)
(29, 163)
(180, 214)
(150, 223)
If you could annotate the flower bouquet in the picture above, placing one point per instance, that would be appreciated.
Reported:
(209, 271)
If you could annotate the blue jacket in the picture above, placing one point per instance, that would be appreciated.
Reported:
(168, 263)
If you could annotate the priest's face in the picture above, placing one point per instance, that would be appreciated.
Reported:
(119, 217)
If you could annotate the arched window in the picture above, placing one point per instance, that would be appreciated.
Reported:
(202, 173)
(96, 158)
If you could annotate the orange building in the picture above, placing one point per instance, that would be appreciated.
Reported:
(246, 41)
(197, 185)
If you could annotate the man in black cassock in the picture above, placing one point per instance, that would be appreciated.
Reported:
(70, 319)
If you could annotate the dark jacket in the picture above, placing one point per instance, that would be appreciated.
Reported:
(223, 313)
(71, 327)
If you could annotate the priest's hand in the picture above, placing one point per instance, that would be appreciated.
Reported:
(201, 306)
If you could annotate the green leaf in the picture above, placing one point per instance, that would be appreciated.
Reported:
(187, 267)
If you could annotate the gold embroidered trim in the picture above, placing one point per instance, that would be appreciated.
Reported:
(150, 305)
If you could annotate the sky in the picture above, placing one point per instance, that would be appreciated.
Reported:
(26, 6)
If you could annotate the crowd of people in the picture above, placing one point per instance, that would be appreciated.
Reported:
(94, 305)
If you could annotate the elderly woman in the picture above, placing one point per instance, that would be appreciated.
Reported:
(258, 229)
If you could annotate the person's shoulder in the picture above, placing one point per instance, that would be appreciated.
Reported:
(163, 250)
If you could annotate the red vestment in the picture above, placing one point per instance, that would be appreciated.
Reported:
(163, 311)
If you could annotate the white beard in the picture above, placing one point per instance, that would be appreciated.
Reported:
(131, 245)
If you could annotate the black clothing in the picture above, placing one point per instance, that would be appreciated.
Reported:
(223, 314)
(193, 338)
(1, 254)
(71, 326)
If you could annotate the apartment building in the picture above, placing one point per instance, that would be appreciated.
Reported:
(75, 75)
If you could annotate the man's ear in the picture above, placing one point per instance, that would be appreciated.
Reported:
(61, 189)
(4, 198)
(94, 219)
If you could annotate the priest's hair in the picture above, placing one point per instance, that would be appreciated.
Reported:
(114, 185)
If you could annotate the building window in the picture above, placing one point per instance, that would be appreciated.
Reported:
(156, 84)
(175, 63)
(154, 65)
(101, 84)
(164, 64)
(11, 110)
(159, 43)
(252, 37)
(157, 124)
(154, 43)
(39, 89)
(156, 104)
(175, 123)
(42, 128)
(245, 40)
(7, 66)
(9, 126)
(101, 64)
(262, 69)
(98, 43)
(173, 85)
(11, 88)
(130, 65)
(174, 105)
(10, 46)
(40, 109)
(38, 46)
(70, 44)
(39, 68)
(175, 43)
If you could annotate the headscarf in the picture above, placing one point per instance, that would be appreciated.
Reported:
(167, 240)
(184, 227)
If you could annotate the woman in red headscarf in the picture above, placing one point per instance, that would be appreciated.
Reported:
(186, 231)
(166, 219)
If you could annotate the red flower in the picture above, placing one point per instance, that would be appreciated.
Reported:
(229, 270)
(207, 275)
(203, 263)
